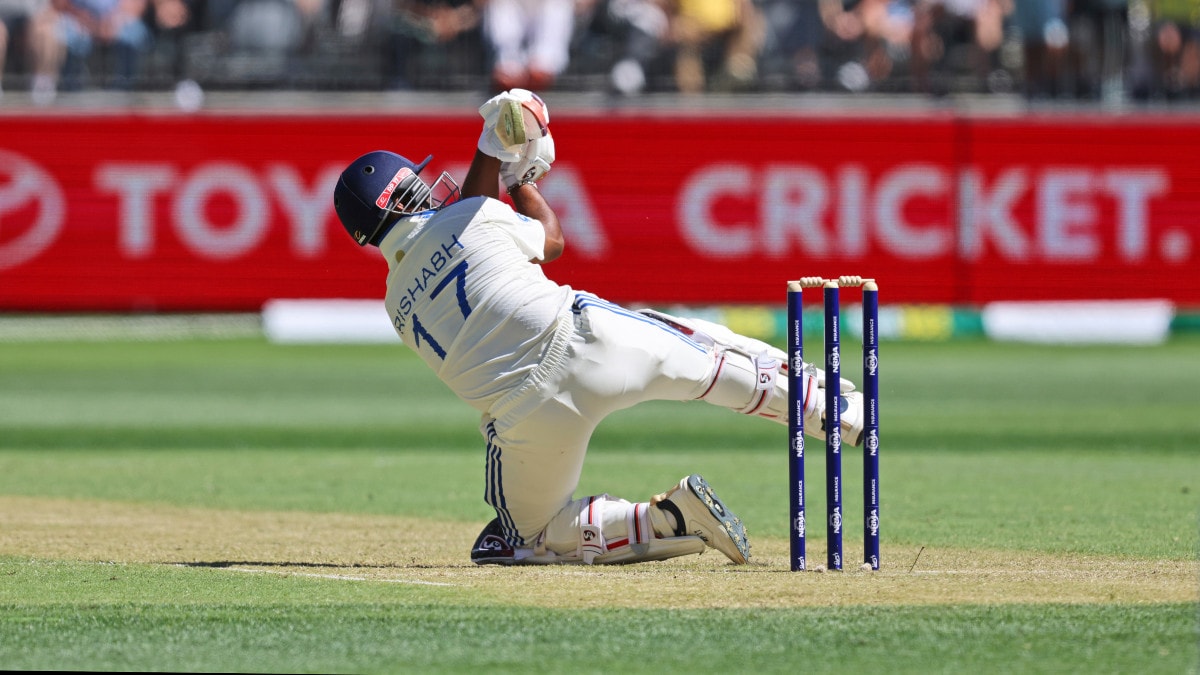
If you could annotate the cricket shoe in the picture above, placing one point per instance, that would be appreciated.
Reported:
(698, 511)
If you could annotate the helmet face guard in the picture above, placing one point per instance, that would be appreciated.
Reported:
(380, 187)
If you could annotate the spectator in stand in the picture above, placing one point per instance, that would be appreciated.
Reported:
(169, 21)
(800, 40)
(734, 27)
(1097, 57)
(692, 29)
(944, 30)
(15, 16)
(1175, 46)
(274, 27)
(65, 34)
(529, 40)
(841, 49)
(116, 24)
(27, 32)
(880, 28)
(1044, 40)
(641, 27)
(451, 28)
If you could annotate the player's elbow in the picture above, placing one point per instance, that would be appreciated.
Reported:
(553, 248)
(555, 241)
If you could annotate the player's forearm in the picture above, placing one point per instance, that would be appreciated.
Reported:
(483, 178)
(529, 202)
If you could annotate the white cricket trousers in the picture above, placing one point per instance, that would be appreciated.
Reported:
(602, 358)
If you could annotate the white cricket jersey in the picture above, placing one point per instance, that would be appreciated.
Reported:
(463, 294)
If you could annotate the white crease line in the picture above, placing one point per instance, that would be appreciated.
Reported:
(340, 577)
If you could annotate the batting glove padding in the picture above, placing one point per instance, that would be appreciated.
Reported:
(532, 165)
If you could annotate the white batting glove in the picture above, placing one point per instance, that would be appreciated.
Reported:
(532, 166)
(510, 120)
(489, 143)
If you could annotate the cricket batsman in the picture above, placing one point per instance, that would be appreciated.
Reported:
(544, 363)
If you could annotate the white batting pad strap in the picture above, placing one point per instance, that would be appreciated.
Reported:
(767, 370)
(591, 543)
(638, 528)
(591, 529)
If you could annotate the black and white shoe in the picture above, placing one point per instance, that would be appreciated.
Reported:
(699, 512)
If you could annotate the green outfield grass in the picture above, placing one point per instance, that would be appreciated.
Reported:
(1040, 514)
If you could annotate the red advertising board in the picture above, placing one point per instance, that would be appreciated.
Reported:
(224, 212)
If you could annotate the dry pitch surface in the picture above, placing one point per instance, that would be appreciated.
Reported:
(380, 549)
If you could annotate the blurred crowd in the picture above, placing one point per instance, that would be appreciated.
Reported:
(1052, 49)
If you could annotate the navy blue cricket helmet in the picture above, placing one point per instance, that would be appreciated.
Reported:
(379, 187)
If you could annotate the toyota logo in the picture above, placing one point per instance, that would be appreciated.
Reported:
(32, 210)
